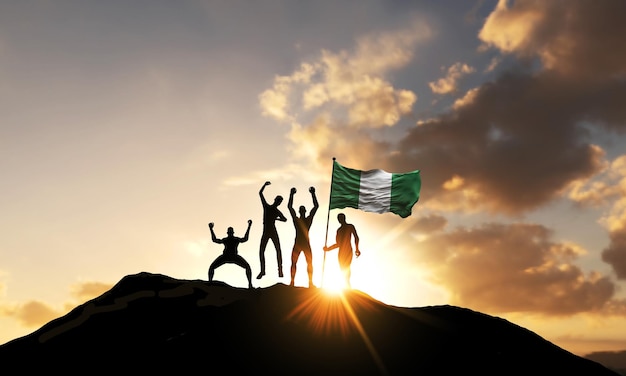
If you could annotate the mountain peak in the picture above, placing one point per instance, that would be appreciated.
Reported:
(152, 322)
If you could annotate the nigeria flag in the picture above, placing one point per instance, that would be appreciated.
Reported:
(374, 191)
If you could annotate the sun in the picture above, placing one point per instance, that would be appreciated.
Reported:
(333, 283)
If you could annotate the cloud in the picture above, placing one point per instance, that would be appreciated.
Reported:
(511, 154)
(448, 84)
(290, 171)
(274, 102)
(430, 223)
(334, 102)
(513, 268)
(30, 314)
(349, 83)
(508, 146)
(615, 253)
(517, 142)
(608, 190)
(35, 313)
(88, 290)
(573, 37)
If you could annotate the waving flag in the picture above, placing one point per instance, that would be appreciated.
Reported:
(375, 191)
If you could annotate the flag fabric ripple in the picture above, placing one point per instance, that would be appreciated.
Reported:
(374, 191)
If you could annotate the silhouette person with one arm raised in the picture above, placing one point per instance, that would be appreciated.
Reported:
(345, 232)
(302, 244)
(230, 254)
(271, 214)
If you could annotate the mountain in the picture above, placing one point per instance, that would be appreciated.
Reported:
(615, 360)
(154, 323)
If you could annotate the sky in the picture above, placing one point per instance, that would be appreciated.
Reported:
(126, 127)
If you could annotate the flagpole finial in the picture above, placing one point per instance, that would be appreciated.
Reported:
(334, 158)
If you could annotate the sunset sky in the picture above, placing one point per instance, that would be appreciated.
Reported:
(127, 126)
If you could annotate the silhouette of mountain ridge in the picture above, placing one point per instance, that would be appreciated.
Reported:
(155, 323)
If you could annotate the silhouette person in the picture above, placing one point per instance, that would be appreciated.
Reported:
(345, 232)
(301, 244)
(230, 254)
(271, 214)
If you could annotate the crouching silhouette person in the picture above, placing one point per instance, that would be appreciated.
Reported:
(230, 254)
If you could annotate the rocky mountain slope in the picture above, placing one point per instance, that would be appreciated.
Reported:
(154, 323)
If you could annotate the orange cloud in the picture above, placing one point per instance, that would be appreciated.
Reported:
(513, 268)
(574, 37)
(615, 253)
(352, 81)
(430, 223)
(35, 313)
(513, 156)
(448, 84)
(608, 189)
(30, 314)
(335, 101)
(85, 291)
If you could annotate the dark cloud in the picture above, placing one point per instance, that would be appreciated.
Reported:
(615, 253)
(515, 143)
(579, 38)
(513, 268)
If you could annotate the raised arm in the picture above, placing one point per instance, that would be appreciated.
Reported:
(245, 237)
(315, 203)
(290, 203)
(213, 237)
(261, 192)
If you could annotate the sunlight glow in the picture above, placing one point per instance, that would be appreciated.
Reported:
(329, 313)
(333, 283)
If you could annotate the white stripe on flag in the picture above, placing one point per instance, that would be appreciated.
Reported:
(375, 191)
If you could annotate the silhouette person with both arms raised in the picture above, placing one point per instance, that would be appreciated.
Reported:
(230, 254)
(345, 232)
(301, 244)
(271, 214)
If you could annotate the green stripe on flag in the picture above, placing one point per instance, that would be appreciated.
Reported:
(405, 191)
(344, 191)
(372, 191)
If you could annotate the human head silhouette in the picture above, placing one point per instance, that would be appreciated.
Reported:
(278, 200)
(341, 218)
(230, 231)
(302, 210)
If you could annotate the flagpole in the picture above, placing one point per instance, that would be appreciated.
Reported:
(330, 195)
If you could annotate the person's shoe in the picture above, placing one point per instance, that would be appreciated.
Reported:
(280, 272)
(260, 275)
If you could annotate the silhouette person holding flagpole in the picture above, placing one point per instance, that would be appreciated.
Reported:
(302, 226)
(345, 233)
(230, 254)
(271, 214)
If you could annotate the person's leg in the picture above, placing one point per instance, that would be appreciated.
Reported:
(244, 264)
(308, 255)
(219, 261)
(264, 239)
(279, 254)
(345, 259)
(294, 260)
